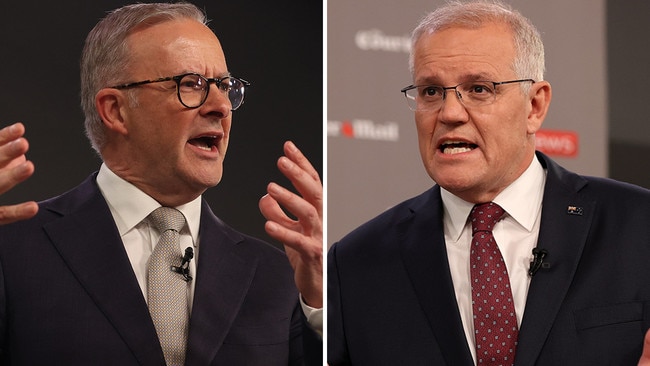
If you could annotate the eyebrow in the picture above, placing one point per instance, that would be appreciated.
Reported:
(220, 76)
(432, 80)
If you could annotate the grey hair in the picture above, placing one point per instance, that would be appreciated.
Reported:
(529, 48)
(106, 54)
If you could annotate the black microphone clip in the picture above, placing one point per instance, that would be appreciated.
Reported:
(184, 268)
(538, 261)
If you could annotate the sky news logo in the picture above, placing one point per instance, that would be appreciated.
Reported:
(364, 129)
(557, 143)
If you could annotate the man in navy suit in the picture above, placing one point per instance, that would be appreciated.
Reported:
(158, 99)
(400, 287)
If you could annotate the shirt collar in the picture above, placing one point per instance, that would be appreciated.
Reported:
(522, 200)
(129, 205)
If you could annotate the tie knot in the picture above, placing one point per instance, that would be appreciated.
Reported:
(484, 216)
(167, 218)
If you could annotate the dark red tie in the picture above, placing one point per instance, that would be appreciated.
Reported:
(495, 322)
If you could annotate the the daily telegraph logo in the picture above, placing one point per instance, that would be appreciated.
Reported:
(364, 129)
(376, 40)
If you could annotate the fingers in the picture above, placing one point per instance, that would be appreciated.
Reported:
(22, 211)
(307, 207)
(14, 168)
(11, 132)
(15, 172)
(307, 214)
(302, 239)
(297, 157)
(11, 175)
(302, 235)
(272, 211)
(12, 144)
(294, 233)
(297, 168)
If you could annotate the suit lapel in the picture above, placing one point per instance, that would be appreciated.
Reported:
(87, 239)
(565, 222)
(224, 273)
(424, 254)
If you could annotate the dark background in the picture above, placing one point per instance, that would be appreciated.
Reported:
(628, 57)
(277, 46)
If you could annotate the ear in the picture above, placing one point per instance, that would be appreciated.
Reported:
(110, 105)
(540, 99)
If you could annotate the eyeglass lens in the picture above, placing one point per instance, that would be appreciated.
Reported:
(471, 94)
(193, 90)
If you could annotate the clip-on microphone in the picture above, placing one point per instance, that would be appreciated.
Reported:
(184, 268)
(538, 261)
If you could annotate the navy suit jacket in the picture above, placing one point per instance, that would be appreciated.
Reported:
(68, 294)
(391, 299)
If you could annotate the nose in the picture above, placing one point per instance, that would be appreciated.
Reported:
(452, 109)
(456, 92)
(217, 102)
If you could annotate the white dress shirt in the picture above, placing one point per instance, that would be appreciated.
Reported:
(516, 235)
(130, 208)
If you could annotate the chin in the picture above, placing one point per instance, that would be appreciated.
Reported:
(212, 182)
(452, 182)
(205, 181)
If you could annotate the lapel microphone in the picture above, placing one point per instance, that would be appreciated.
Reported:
(538, 261)
(184, 268)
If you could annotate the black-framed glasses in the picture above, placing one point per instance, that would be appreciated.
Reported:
(193, 89)
(471, 94)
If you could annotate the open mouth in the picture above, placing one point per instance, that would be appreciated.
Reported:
(456, 147)
(207, 142)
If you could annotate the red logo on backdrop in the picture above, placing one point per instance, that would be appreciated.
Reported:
(557, 143)
(346, 129)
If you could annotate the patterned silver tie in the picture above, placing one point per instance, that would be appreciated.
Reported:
(166, 290)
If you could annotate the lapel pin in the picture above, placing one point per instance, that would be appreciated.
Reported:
(574, 210)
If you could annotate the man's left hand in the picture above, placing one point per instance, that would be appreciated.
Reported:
(302, 237)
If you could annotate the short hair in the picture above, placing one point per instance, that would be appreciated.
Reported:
(529, 48)
(106, 53)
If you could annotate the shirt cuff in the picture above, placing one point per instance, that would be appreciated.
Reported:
(314, 317)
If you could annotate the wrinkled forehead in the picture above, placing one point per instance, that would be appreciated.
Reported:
(464, 53)
(182, 45)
